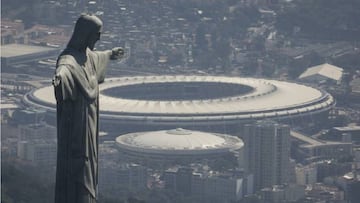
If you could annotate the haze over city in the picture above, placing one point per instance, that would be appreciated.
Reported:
(234, 101)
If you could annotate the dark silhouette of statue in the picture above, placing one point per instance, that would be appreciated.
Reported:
(79, 70)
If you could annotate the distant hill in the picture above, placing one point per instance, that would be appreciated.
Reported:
(322, 19)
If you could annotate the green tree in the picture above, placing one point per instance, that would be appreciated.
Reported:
(20, 183)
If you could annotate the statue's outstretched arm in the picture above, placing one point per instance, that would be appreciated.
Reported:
(103, 58)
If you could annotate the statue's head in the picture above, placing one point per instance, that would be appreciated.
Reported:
(86, 32)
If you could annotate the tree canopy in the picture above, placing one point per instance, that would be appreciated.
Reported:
(322, 19)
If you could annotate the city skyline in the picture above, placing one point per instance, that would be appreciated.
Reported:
(282, 76)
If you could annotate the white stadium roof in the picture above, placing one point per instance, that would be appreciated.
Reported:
(268, 98)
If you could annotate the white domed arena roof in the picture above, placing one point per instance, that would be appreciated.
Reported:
(178, 141)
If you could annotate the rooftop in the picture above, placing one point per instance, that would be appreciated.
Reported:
(13, 50)
(327, 70)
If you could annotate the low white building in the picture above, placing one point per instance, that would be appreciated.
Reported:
(225, 188)
(322, 73)
(306, 174)
(117, 179)
(21, 53)
(282, 193)
(40, 152)
(219, 187)
(36, 131)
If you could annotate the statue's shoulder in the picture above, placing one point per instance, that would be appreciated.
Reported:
(64, 63)
(62, 74)
(66, 59)
(67, 65)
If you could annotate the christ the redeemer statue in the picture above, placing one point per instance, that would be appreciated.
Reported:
(79, 71)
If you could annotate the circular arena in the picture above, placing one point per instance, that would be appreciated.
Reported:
(176, 144)
(198, 102)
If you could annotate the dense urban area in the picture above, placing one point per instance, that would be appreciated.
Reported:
(308, 158)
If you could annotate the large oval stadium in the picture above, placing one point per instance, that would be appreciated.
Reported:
(198, 102)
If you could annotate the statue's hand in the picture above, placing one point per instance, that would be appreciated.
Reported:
(117, 53)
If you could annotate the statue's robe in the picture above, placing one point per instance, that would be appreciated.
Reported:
(77, 96)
